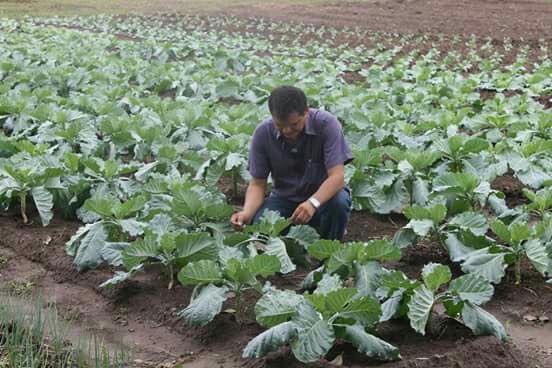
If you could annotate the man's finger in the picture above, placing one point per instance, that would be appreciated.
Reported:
(295, 214)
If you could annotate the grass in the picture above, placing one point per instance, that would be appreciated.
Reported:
(18, 8)
(20, 287)
(33, 337)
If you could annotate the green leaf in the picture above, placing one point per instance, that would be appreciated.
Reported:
(482, 322)
(335, 300)
(140, 250)
(186, 202)
(420, 191)
(380, 250)
(270, 340)
(538, 255)
(312, 278)
(276, 307)
(131, 226)
(205, 306)
(88, 254)
(129, 207)
(456, 183)
(277, 247)
(344, 256)
(420, 227)
(72, 244)
(435, 275)
(417, 213)
(324, 249)
(456, 249)
(112, 253)
(228, 88)
(44, 201)
(489, 265)
(519, 232)
(200, 272)
(404, 237)
(392, 305)
(501, 231)
(234, 160)
(196, 246)
(239, 273)
(471, 221)
(315, 336)
(367, 278)
(270, 224)
(263, 265)
(121, 276)
(101, 205)
(438, 213)
(472, 288)
(371, 345)
(419, 308)
(365, 310)
(328, 284)
(475, 145)
(303, 234)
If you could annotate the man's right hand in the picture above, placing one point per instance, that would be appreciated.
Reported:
(240, 219)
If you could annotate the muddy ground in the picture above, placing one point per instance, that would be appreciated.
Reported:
(141, 314)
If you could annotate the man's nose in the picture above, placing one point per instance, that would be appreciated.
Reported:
(286, 130)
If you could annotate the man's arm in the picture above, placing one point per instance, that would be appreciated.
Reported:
(333, 184)
(329, 188)
(254, 197)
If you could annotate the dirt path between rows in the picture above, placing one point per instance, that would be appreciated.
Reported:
(142, 313)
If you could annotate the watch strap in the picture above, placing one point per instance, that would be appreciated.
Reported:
(315, 202)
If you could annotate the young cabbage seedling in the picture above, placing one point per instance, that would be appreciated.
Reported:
(216, 282)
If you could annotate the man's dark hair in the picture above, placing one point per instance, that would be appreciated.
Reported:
(285, 100)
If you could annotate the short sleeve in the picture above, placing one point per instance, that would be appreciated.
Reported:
(258, 164)
(336, 149)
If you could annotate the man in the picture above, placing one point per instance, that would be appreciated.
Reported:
(305, 152)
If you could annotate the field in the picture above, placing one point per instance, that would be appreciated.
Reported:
(124, 151)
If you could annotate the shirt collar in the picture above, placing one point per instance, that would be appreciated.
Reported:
(309, 128)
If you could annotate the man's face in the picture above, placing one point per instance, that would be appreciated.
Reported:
(291, 127)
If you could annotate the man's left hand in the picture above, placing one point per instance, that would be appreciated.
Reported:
(303, 213)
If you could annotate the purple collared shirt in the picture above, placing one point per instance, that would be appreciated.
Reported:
(298, 168)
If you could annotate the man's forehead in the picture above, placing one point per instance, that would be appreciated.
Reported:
(291, 119)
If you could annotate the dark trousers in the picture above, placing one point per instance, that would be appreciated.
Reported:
(330, 220)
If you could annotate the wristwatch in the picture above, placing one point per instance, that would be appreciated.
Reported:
(315, 202)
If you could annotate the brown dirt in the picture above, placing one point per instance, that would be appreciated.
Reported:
(367, 226)
(142, 313)
(512, 187)
(528, 20)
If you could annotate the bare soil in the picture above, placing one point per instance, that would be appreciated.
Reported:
(141, 314)
(515, 19)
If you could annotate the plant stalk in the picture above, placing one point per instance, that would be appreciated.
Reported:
(171, 276)
(23, 206)
(518, 271)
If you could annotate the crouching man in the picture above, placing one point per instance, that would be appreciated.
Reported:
(304, 150)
